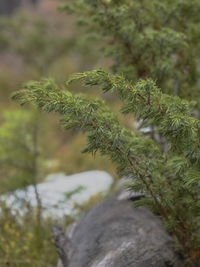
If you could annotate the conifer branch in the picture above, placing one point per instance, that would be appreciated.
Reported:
(170, 114)
(135, 156)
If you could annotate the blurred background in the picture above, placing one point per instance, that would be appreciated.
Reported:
(37, 158)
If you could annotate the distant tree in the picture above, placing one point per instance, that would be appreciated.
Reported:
(20, 161)
(38, 41)
(157, 39)
(34, 39)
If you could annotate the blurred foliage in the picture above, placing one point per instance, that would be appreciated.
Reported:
(94, 200)
(22, 242)
(157, 39)
(72, 161)
(69, 194)
(40, 42)
(20, 163)
(7, 84)
(36, 43)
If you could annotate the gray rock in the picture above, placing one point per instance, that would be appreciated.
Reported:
(114, 234)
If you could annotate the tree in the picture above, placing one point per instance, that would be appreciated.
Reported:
(33, 38)
(38, 41)
(145, 39)
(20, 161)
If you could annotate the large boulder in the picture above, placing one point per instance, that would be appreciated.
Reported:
(114, 234)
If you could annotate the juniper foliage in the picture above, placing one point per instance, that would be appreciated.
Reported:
(171, 181)
(157, 39)
(148, 41)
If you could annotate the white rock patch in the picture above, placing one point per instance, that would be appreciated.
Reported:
(52, 192)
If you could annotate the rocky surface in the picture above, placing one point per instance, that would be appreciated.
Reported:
(53, 192)
(114, 234)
